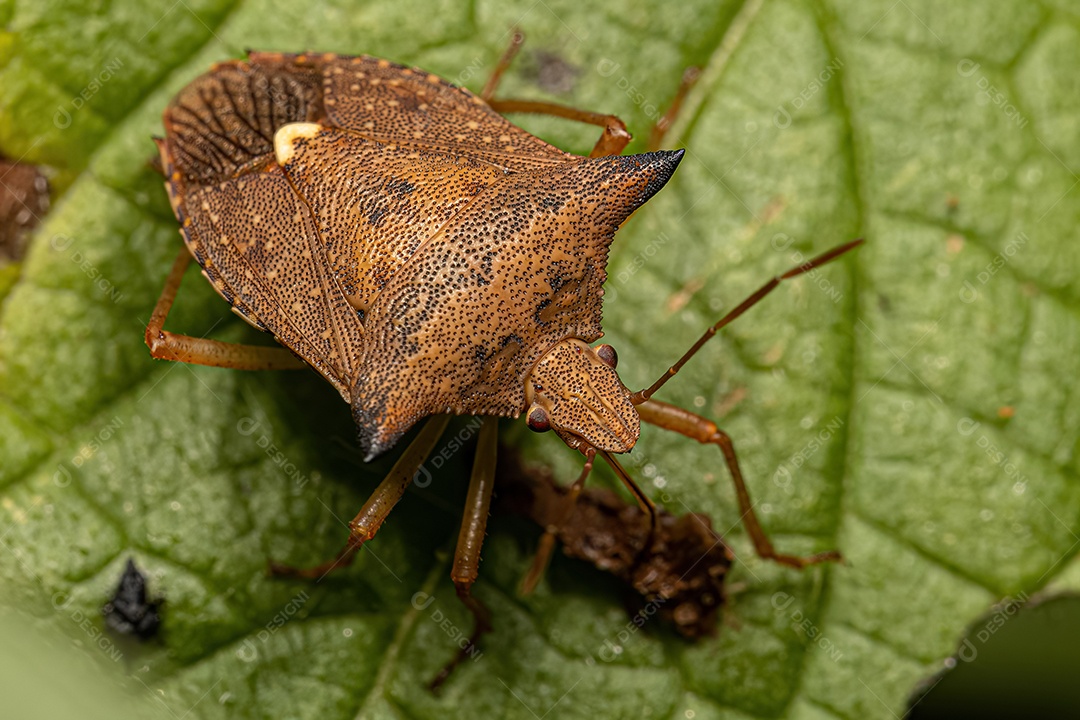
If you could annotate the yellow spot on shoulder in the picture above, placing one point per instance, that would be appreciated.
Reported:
(287, 135)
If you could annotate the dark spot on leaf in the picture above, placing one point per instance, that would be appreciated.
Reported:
(130, 612)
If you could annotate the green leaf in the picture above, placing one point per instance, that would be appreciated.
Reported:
(911, 406)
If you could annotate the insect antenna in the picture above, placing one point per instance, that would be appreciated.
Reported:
(815, 262)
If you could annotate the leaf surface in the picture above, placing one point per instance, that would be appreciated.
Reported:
(912, 405)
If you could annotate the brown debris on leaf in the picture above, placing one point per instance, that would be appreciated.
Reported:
(24, 199)
(682, 573)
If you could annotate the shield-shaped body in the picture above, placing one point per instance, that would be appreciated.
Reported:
(406, 241)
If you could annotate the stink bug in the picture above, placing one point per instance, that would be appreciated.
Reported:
(427, 257)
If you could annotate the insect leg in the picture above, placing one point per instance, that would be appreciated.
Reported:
(547, 542)
(370, 518)
(684, 422)
(516, 41)
(471, 539)
(615, 137)
(815, 262)
(612, 141)
(660, 128)
(165, 345)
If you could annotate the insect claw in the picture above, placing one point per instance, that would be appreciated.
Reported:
(799, 562)
(317, 572)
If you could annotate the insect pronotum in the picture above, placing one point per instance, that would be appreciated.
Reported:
(428, 258)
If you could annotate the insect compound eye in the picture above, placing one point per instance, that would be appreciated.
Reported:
(538, 420)
(608, 355)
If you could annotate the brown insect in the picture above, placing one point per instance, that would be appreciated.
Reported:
(428, 258)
